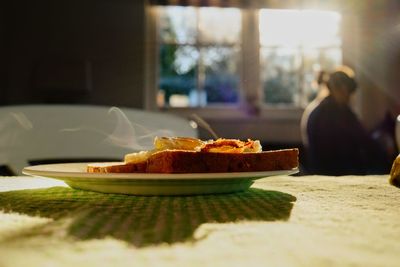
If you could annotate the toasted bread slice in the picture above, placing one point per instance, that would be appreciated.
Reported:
(181, 161)
(116, 167)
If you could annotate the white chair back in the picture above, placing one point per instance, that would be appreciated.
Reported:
(38, 133)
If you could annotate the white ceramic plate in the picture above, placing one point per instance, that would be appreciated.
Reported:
(75, 175)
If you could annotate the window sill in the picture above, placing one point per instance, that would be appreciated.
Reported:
(271, 124)
(279, 113)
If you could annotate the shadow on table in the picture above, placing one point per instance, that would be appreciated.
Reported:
(143, 221)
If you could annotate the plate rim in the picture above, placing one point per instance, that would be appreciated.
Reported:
(37, 170)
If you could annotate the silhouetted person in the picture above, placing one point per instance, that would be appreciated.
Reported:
(335, 140)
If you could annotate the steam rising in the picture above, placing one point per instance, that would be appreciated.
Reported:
(11, 125)
(133, 132)
(132, 135)
(22, 120)
(128, 134)
(205, 125)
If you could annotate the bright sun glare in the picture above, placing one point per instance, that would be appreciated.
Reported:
(294, 28)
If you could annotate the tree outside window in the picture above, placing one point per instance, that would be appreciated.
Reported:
(200, 55)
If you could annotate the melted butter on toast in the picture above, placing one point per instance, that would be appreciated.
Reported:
(193, 144)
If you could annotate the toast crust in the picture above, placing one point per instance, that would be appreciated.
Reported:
(182, 161)
(116, 167)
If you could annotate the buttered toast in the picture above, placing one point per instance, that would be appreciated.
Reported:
(217, 156)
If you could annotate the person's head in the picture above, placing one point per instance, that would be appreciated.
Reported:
(342, 85)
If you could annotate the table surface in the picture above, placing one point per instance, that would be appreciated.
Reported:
(280, 221)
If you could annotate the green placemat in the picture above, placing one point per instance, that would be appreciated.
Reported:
(142, 221)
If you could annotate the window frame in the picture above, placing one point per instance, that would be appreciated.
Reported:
(250, 104)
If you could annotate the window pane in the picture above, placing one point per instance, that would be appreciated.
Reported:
(296, 45)
(306, 28)
(280, 75)
(219, 25)
(279, 27)
(320, 28)
(315, 60)
(220, 67)
(177, 78)
(177, 24)
(321, 59)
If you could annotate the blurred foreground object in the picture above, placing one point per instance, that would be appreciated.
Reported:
(395, 172)
(397, 132)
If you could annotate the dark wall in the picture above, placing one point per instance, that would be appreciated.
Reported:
(2, 57)
(72, 51)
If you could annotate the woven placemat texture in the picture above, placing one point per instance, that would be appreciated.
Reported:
(144, 220)
(280, 221)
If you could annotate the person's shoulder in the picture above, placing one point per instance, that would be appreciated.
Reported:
(328, 104)
(320, 106)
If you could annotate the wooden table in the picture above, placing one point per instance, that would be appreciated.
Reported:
(280, 221)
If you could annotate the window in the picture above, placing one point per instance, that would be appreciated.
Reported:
(201, 55)
(198, 56)
(295, 45)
